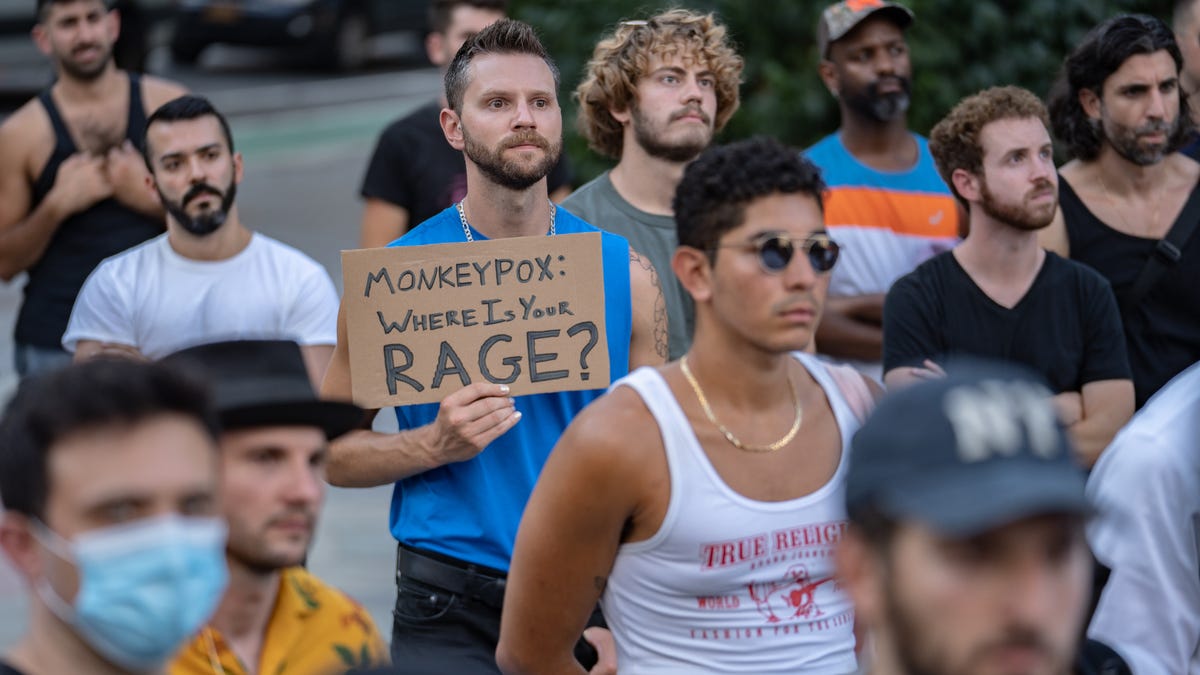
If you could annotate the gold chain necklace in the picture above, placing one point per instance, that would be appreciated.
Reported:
(734, 440)
(1113, 203)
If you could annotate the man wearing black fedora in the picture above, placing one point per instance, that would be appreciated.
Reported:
(273, 448)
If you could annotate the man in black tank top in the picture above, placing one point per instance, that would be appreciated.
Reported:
(72, 184)
(1125, 195)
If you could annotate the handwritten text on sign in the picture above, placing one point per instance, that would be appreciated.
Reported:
(424, 321)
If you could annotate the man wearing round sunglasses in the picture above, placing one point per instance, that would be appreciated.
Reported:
(701, 501)
(999, 294)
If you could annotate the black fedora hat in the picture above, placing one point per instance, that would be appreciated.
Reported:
(259, 383)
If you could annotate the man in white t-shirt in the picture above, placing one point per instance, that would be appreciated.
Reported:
(1146, 491)
(209, 278)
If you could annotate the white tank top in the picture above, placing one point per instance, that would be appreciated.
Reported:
(729, 584)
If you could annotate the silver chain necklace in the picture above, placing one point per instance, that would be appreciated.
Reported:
(462, 218)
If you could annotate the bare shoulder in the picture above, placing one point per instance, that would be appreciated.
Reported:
(22, 135)
(1185, 170)
(616, 430)
(1073, 171)
(157, 91)
(641, 269)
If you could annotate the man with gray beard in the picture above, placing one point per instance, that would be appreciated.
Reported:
(1130, 203)
(886, 203)
(208, 278)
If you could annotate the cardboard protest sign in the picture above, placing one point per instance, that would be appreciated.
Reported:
(425, 321)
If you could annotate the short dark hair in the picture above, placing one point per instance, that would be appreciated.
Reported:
(102, 393)
(186, 107)
(1103, 50)
(713, 193)
(441, 12)
(876, 527)
(43, 6)
(506, 36)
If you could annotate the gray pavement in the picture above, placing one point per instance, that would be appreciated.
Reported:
(305, 149)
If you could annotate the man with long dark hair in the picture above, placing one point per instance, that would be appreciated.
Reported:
(1129, 202)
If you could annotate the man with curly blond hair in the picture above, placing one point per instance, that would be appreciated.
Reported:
(999, 294)
(654, 94)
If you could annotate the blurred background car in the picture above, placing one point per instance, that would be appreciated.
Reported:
(335, 34)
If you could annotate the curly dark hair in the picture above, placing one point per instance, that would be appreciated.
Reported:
(715, 189)
(506, 36)
(954, 141)
(1102, 52)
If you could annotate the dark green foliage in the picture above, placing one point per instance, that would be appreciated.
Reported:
(957, 47)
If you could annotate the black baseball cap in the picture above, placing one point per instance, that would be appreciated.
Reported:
(980, 448)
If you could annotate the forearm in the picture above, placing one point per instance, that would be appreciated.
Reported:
(1091, 436)
(145, 203)
(365, 458)
(846, 337)
(1106, 407)
(538, 660)
(23, 243)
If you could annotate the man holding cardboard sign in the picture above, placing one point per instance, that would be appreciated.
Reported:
(464, 467)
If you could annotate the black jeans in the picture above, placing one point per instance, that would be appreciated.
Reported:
(435, 631)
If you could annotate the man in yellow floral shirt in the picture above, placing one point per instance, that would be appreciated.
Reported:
(275, 618)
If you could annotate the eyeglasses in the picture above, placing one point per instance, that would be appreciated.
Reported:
(775, 251)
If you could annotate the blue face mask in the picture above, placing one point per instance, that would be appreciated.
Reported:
(144, 588)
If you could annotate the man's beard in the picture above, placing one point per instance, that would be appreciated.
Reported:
(917, 651)
(508, 173)
(86, 73)
(683, 150)
(880, 107)
(1124, 140)
(206, 222)
(1019, 216)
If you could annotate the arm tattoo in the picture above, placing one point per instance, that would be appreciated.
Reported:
(600, 583)
(660, 304)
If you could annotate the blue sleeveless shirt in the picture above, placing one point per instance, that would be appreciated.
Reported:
(470, 510)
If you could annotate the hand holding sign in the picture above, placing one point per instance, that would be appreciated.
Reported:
(468, 420)
(524, 312)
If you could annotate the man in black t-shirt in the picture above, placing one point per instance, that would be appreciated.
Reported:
(414, 173)
(998, 294)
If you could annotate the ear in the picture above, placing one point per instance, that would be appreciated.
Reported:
(828, 73)
(19, 545)
(434, 48)
(967, 184)
(452, 128)
(1090, 102)
(237, 167)
(622, 116)
(694, 272)
(112, 21)
(859, 569)
(41, 38)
